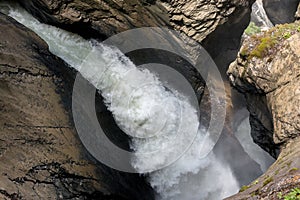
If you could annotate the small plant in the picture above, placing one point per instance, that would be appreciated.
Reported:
(252, 29)
(266, 43)
(287, 35)
(294, 169)
(293, 195)
(245, 187)
(267, 181)
(279, 195)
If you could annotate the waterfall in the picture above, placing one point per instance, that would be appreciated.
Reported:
(141, 111)
(254, 151)
(259, 15)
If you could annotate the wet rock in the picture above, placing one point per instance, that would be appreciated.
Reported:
(41, 156)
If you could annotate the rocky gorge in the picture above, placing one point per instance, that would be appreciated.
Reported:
(41, 144)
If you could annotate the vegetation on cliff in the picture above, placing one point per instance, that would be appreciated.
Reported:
(266, 43)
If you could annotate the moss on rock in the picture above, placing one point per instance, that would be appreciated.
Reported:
(266, 43)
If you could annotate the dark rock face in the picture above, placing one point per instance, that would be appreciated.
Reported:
(267, 71)
(40, 154)
(98, 19)
(261, 123)
(223, 43)
(281, 11)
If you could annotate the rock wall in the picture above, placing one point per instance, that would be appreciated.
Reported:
(98, 19)
(210, 22)
(40, 154)
(267, 71)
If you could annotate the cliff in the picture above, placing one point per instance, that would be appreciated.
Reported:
(267, 72)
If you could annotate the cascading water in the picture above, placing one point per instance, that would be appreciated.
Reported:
(259, 15)
(256, 153)
(137, 108)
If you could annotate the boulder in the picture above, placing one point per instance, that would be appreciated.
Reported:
(267, 72)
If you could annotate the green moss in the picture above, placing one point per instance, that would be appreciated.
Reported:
(267, 181)
(279, 195)
(252, 29)
(267, 43)
(293, 195)
(245, 187)
(244, 54)
(287, 35)
(294, 169)
(261, 49)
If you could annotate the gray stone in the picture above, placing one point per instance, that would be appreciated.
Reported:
(281, 11)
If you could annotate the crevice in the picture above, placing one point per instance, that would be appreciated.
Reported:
(37, 127)
(13, 196)
(26, 72)
(283, 84)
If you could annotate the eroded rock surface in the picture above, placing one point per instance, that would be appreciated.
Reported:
(267, 71)
(97, 18)
(196, 19)
(40, 154)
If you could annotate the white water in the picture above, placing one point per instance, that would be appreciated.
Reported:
(140, 104)
(260, 16)
(243, 134)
